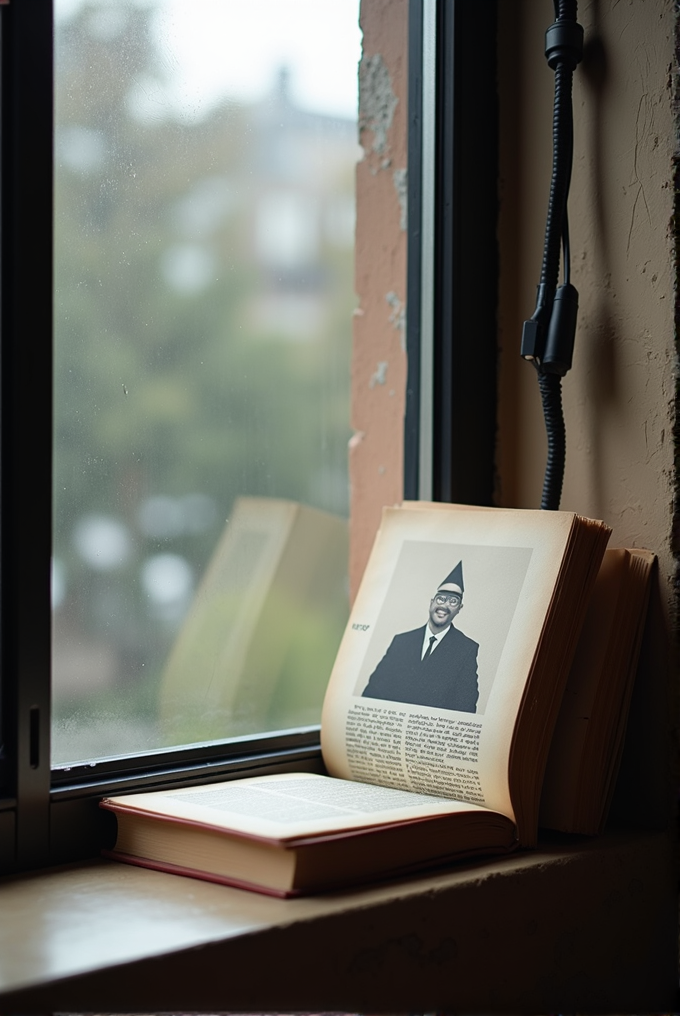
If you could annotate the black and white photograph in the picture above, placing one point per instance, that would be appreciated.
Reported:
(439, 636)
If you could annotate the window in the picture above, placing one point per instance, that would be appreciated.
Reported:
(204, 202)
(53, 816)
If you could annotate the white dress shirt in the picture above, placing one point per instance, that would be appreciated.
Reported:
(426, 640)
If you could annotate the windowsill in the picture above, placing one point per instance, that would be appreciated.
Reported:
(575, 925)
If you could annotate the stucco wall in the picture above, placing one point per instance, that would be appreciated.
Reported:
(619, 396)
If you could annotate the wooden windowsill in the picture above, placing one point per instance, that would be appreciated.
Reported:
(575, 926)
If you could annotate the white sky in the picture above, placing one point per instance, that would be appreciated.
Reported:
(220, 48)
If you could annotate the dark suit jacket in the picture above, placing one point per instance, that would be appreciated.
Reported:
(446, 679)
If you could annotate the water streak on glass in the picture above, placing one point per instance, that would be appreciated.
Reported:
(204, 214)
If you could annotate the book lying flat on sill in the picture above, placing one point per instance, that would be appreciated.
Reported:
(439, 714)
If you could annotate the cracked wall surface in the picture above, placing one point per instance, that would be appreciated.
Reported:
(619, 397)
(379, 358)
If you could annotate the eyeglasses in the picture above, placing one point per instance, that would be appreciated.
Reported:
(452, 599)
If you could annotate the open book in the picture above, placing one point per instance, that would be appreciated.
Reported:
(435, 747)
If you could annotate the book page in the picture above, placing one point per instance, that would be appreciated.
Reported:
(454, 738)
(288, 807)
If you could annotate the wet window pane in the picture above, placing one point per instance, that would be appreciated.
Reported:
(204, 225)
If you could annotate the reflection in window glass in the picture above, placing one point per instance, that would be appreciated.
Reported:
(204, 221)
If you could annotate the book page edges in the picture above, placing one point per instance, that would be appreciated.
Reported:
(578, 787)
(529, 749)
(432, 864)
(204, 876)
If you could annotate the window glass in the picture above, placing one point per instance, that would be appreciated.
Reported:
(204, 226)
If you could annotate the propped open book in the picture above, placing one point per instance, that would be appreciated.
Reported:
(437, 722)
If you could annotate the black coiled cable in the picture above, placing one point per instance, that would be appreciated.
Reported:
(550, 386)
(548, 337)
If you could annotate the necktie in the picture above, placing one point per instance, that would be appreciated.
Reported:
(428, 651)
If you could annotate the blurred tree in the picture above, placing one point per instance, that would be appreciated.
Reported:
(177, 370)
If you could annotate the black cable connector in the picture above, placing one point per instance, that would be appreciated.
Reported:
(535, 329)
(548, 336)
(559, 345)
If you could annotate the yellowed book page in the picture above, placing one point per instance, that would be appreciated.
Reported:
(290, 806)
(509, 562)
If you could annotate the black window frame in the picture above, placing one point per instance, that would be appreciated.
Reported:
(463, 247)
(51, 816)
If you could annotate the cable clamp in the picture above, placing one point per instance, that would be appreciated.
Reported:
(564, 44)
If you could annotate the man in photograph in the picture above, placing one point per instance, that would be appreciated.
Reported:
(435, 665)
